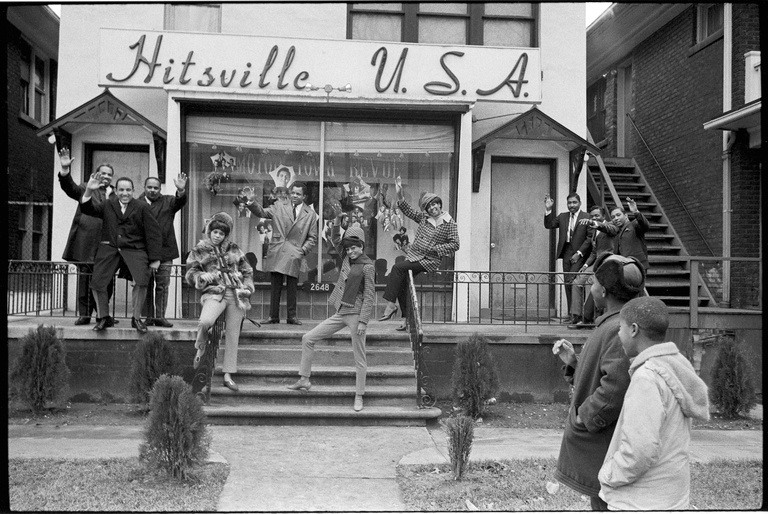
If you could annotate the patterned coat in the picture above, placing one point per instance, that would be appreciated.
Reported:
(433, 241)
(364, 299)
(203, 258)
(291, 239)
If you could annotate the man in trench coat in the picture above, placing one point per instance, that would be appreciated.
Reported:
(294, 234)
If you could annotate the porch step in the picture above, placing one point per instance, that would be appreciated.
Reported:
(220, 413)
(324, 355)
(286, 374)
(317, 395)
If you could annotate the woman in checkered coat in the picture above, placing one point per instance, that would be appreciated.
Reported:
(436, 237)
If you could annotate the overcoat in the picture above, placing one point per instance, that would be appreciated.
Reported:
(600, 381)
(164, 209)
(291, 239)
(84, 234)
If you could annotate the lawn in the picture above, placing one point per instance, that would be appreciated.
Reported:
(110, 485)
(525, 485)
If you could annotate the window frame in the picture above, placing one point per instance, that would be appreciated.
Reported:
(169, 15)
(702, 24)
(475, 17)
(28, 99)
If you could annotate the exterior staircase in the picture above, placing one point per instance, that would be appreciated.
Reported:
(268, 361)
(668, 278)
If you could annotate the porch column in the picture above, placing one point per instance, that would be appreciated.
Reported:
(464, 198)
(173, 168)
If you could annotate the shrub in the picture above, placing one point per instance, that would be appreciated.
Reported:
(40, 374)
(460, 432)
(733, 390)
(175, 437)
(151, 359)
(474, 378)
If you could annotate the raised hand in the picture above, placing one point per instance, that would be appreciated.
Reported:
(65, 160)
(94, 182)
(631, 204)
(399, 186)
(548, 202)
(181, 181)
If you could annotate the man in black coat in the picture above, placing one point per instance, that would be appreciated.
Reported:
(573, 242)
(130, 236)
(164, 208)
(83, 239)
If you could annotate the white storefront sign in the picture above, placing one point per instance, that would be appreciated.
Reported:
(254, 64)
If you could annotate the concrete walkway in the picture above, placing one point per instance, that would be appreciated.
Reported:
(310, 468)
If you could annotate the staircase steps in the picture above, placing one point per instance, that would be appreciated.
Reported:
(667, 279)
(268, 362)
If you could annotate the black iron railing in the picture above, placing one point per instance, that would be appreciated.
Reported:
(413, 320)
(201, 382)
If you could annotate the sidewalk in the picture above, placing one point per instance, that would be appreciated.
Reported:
(311, 468)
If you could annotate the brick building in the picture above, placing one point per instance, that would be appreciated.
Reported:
(32, 48)
(676, 88)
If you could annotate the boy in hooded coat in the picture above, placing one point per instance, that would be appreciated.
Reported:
(218, 268)
(647, 466)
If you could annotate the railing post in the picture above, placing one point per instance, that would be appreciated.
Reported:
(694, 294)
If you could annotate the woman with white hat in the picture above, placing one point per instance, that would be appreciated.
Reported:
(436, 237)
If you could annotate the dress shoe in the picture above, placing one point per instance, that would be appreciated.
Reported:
(83, 320)
(303, 383)
(111, 322)
(103, 323)
(161, 322)
(358, 403)
(293, 321)
(388, 314)
(228, 382)
(270, 321)
(139, 325)
(402, 328)
(581, 324)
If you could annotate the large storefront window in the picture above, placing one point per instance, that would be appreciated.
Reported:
(349, 168)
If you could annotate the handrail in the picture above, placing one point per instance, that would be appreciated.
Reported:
(606, 177)
(201, 381)
(416, 336)
(674, 191)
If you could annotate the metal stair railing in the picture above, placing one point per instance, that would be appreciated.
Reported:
(201, 382)
(596, 189)
(424, 400)
(671, 187)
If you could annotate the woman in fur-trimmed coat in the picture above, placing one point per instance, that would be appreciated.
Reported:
(218, 268)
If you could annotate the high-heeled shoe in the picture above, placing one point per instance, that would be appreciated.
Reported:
(402, 328)
(228, 382)
(303, 383)
(388, 315)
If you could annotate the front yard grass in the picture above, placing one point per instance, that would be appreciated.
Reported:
(521, 485)
(110, 485)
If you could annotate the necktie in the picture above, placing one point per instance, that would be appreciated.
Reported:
(570, 227)
(122, 208)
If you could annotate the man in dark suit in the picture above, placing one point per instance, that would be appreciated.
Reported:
(164, 208)
(83, 239)
(294, 234)
(629, 239)
(130, 236)
(573, 242)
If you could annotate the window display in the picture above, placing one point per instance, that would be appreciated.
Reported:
(349, 169)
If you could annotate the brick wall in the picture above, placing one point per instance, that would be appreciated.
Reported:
(676, 90)
(30, 158)
(746, 37)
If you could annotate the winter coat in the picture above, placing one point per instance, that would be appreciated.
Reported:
(365, 297)
(434, 239)
(203, 258)
(164, 209)
(85, 232)
(600, 381)
(647, 464)
(291, 239)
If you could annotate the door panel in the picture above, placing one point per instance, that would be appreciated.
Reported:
(519, 241)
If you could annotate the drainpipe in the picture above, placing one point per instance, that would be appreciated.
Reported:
(728, 139)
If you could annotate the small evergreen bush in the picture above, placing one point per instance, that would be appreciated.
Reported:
(151, 359)
(733, 389)
(474, 378)
(40, 374)
(175, 436)
(460, 432)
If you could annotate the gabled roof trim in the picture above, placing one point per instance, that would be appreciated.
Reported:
(568, 135)
(123, 111)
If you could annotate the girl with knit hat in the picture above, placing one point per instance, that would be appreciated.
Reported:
(218, 268)
(353, 298)
(436, 237)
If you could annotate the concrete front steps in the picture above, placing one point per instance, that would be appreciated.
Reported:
(268, 362)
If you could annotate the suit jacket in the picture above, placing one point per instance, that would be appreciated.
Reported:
(601, 242)
(136, 229)
(291, 239)
(629, 239)
(580, 240)
(83, 239)
(164, 210)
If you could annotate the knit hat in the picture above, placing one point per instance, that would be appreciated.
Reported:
(622, 277)
(428, 198)
(353, 236)
(221, 217)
